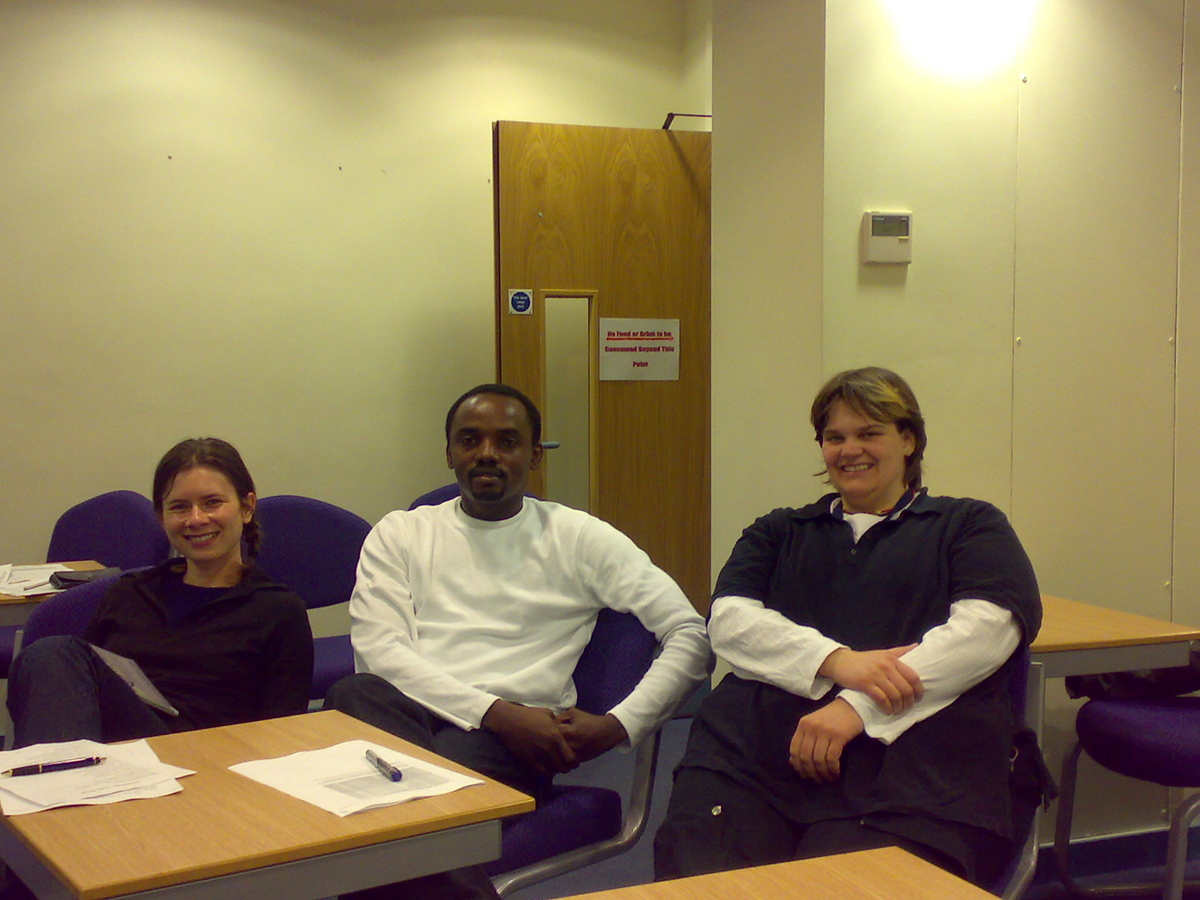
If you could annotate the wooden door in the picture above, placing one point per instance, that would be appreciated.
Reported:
(619, 219)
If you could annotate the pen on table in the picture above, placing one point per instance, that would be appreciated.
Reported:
(386, 769)
(60, 766)
(34, 586)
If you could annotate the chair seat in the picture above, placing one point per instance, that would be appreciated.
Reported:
(333, 659)
(1151, 740)
(573, 817)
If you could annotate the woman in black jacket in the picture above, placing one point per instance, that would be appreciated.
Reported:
(219, 639)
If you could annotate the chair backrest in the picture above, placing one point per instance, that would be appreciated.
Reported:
(436, 496)
(117, 529)
(613, 662)
(65, 613)
(442, 494)
(311, 546)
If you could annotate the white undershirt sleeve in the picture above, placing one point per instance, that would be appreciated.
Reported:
(951, 658)
(762, 644)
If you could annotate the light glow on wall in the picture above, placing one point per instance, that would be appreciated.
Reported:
(961, 38)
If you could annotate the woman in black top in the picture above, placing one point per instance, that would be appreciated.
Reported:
(219, 639)
(872, 637)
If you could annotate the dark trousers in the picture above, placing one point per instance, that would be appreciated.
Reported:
(372, 700)
(60, 690)
(713, 824)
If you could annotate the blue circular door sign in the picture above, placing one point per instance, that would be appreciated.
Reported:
(520, 303)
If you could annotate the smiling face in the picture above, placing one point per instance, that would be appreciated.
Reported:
(491, 451)
(865, 459)
(203, 518)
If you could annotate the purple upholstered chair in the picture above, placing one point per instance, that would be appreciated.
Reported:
(66, 613)
(312, 547)
(580, 824)
(444, 493)
(117, 529)
(1151, 740)
(436, 496)
(1027, 692)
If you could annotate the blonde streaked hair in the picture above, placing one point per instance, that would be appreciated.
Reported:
(879, 394)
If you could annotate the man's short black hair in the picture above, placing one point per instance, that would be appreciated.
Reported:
(535, 417)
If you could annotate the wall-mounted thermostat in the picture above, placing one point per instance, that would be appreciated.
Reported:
(887, 237)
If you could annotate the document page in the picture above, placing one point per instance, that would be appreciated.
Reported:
(128, 772)
(343, 780)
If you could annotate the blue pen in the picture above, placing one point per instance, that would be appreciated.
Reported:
(386, 769)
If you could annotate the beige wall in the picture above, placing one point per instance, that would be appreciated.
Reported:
(272, 222)
(901, 134)
(1185, 562)
(1095, 308)
(768, 72)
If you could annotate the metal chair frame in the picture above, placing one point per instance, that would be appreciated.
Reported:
(637, 814)
(1173, 884)
(1022, 870)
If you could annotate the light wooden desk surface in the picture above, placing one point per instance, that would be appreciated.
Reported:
(1080, 638)
(222, 823)
(886, 874)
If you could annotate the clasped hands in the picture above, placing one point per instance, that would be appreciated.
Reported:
(552, 743)
(816, 748)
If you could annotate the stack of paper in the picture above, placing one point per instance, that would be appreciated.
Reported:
(342, 780)
(129, 772)
(25, 581)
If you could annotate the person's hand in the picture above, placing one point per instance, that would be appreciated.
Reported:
(880, 674)
(816, 749)
(531, 734)
(590, 735)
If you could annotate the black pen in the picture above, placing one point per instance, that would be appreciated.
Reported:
(62, 765)
(386, 769)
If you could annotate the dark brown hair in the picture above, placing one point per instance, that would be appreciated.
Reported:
(211, 453)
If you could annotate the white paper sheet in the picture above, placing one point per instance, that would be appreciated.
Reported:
(129, 772)
(341, 780)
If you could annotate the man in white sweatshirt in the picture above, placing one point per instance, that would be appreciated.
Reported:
(469, 616)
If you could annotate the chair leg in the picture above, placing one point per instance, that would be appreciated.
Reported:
(637, 814)
(1177, 848)
(1173, 885)
(1065, 816)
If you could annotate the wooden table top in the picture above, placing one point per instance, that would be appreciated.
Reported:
(223, 822)
(79, 565)
(885, 874)
(1071, 625)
